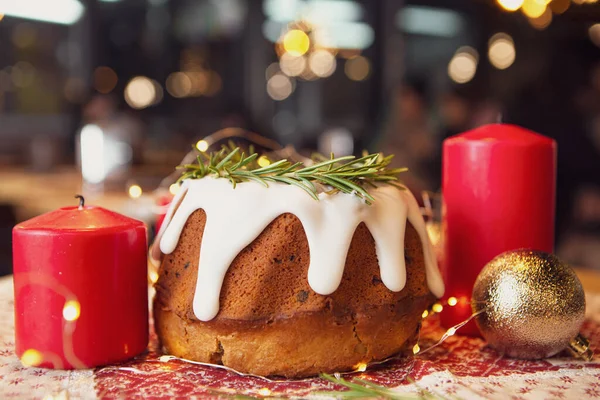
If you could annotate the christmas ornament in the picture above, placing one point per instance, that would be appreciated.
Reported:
(528, 304)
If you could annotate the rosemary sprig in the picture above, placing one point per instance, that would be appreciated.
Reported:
(343, 174)
(363, 389)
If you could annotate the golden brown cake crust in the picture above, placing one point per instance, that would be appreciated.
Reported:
(271, 322)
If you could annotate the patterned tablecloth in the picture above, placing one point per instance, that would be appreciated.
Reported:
(462, 367)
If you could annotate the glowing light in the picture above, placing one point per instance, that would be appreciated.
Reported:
(105, 79)
(296, 42)
(153, 275)
(92, 153)
(533, 9)
(264, 392)
(451, 331)
(501, 50)
(71, 310)
(416, 348)
(594, 33)
(360, 367)
(510, 5)
(357, 68)
(179, 85)
(292, 65)
(279, 87)
(64, 12)
(135, 191)
(200, 82)
(437, 307)
(174, 188)
(202, 145)
(31, 358)
(425, 314)
(543, 21)
(322, 63)
(263, 161)
(140, 92)
(452, 301)
(559, 6)
(463, 65)
(271, 70)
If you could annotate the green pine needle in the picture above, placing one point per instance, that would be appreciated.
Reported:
(346, 174)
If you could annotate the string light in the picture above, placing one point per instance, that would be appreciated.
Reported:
(452, 301)
(296, 42)
(135, 191)
(71, 310)
(360, 367)
(202, 145)
(31, 358)
(451, 331)
(463, 65)
(533, 8)
(174, 188)
(416, 348)
(425, 314)
(510, 5)
(543, 21)
(153, 276)
(263, 161)
(501, 50)
(140, 92)
(437, 307)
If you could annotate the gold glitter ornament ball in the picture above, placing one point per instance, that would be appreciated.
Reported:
(534, 304)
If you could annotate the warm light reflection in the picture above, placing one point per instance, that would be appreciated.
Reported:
(105, 79)
(135, 191)
(202, 145)
(451, 331)
(263, 161)
(71, 310)
(279, 87)
(140, 92)
(533, 8)
(357, 68)
(322, 63)
(179, 85)
(31, 358)
(153, 275)
(264, 392)
(360, 367)
(510, 5)
(425, 314)
(501, 50)
(437, 307)
(452, 301)
(463, 65)
(296, 42)
(292, 65)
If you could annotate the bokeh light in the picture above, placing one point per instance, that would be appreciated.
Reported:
(533, 8)
(543, 21)
(501, 50)
(140, 92)
(202, 145)
(279, 87)
(296, 42)
(559, 6)
(179, 85)
(594, 33)
(463, 65)
(322, 63)
(263, 161)
(357, 68)
(510, 5)
(292, 65)
(174, 188)
(71, 310)
(135, 191)
(271, 70)
(105, 79)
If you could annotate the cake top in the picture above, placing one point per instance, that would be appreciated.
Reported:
(346, 174)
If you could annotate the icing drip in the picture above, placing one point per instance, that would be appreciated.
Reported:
(235, 217)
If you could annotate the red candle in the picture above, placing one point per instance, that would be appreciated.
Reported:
(499, 188)
(81, 295)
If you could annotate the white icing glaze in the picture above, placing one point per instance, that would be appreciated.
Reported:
(235, 217)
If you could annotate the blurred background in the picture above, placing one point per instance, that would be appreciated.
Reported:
(105, 97)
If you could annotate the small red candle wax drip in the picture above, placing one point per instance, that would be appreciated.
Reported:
(499, 188)
(81, 295)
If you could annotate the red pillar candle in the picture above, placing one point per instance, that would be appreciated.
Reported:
(81, 295)
(499, 188)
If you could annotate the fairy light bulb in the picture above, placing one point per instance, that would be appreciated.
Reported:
(437, 307)
(71, 310)
(360, 367)
(135, 191)
(263, 161)
(452, 301)
(202, 145)
(31, 358)
(451, 331)
(174, 188)
(416, 348)
(425, 314)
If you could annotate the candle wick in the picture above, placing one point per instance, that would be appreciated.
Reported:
(81, 201)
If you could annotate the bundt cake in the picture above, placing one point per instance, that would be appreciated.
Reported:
(270, 281)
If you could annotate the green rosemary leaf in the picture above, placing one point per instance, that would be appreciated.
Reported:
(226, 159)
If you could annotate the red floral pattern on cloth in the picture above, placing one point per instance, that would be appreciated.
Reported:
(462, 367)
